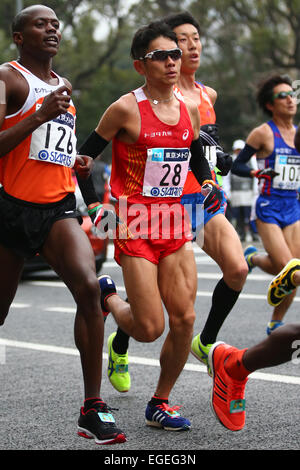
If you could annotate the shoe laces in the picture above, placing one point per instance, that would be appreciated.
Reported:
(236, 389)
(101, 406)
(171, 410)
(121, 359)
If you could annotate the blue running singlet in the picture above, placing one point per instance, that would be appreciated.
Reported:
(286, 161)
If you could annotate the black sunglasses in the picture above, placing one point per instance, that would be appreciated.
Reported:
(283, 94)
(162, 55)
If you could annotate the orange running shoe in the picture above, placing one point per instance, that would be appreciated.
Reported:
(228, 395)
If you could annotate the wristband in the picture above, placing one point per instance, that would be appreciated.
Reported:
(209, 182)
(94, 209)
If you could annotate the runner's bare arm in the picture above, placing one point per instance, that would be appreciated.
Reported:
(260, 143)
(297, 139)
(261, 138)
(54, 104)
(112, 123)
(212, 94)
(120, 120)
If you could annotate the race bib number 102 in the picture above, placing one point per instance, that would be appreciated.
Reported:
(165, 172)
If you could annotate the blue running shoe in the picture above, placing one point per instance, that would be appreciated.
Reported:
(272, 325)
(163, 416)
(248, 254)
(108, 288)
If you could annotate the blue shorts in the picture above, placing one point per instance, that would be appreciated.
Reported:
(199, 216)
(277, 210)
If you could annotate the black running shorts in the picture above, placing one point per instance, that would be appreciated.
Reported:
(24, 226)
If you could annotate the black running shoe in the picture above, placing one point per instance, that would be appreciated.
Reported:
(98, 423)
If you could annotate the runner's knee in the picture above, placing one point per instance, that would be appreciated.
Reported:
(149, 331)
(183, 322)
(87, 293)
(235, 276)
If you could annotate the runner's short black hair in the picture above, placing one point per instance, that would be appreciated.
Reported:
(21, 18)
(146, 34)
(265, 89)
(184, 17)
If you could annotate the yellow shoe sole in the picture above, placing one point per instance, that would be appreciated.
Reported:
(281, 286)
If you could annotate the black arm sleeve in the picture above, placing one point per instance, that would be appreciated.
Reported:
(198, 163)
(92, 147)
(239, 166)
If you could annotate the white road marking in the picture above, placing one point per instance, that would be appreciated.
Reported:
(60, 309)
(110, 263)
(19, 305)
(288, 379)
(200, 293)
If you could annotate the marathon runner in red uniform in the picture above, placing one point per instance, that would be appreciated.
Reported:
(152, 131)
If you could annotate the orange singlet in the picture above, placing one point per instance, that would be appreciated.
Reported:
(38, 170)
(207, 116)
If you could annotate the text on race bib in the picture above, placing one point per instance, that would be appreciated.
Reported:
(288, 167)
(55, 141)
(165, 172)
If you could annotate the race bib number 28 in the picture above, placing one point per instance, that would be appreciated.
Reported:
(165, 172)
(55, 141)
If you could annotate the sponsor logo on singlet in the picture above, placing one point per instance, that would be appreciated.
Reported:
(55, 157)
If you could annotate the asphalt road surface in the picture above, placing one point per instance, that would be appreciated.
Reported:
(41, 385)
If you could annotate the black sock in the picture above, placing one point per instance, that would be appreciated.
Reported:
(120, 342)
(223, 301)
(90, 403)
(155, 400)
